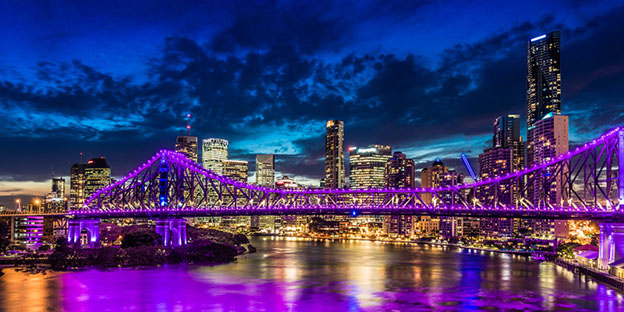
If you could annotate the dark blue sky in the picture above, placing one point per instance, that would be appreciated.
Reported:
(116, 78)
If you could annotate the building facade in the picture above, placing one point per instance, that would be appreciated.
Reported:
(543, 77)
(76, 185)
(265, 170)
(367, 166)
(334, 155)
(214, 152)
(97, 175)
(187, 145)
(236, 169)
(400, 173)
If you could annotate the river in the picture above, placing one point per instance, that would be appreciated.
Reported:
(288, 274)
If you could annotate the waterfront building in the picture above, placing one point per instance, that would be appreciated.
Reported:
(265, 170)
(97, 174)
(28, 231)
(236, 169)
(439, 175)
(214, 152)
(76, 185)
(543, 77)
(334, 155)
(187, 145)
(367, 166)
(400, 173)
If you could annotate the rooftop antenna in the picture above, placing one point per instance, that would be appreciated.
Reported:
(188, 124)
(81, 158)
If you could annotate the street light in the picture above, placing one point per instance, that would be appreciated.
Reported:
(38, 202)
(19, 207)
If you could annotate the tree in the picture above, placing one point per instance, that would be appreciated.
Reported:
(140, 238)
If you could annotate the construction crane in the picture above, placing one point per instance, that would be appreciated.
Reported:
(468, 166)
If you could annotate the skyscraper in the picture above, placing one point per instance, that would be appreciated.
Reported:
(400, 173)
(187, 145)
(543, 77)
(334, 155)
(214, 152)
(547, 129)
(265, 170)
(76, 185)
(367, 165)
(97, 174)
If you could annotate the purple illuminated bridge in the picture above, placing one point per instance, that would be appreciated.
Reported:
(586, 183)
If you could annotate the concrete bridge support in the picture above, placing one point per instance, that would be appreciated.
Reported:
(611, 244)
(91, 226)
(172, 230)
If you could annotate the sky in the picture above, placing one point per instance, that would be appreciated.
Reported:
(117, 78)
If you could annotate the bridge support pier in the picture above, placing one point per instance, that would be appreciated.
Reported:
(611, 244)
(92, 228)
(172, 230)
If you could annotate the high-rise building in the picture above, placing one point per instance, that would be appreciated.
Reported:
(431, 177)
(367, 166)
(547, 129)
(76, 185)
(400, 173)
(543, 77)
(58, 187)
(97, 174)
(236, 169)
(265, 170)
(187, 145)
(55, 200)
(450, 226)
(548, 138)
(214, 152)
(334, 155)
(507, 135)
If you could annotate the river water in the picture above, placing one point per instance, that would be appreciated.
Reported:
(304, 275)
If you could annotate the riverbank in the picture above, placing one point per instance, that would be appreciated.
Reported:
(599, 276)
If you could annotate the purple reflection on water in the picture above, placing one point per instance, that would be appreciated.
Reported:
(296, 275)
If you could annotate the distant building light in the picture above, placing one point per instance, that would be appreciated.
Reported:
(538, 38)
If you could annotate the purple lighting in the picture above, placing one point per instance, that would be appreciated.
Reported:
(194, 190)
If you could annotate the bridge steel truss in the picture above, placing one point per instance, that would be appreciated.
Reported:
(586, 183)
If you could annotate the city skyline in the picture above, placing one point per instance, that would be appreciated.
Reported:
(299, 152)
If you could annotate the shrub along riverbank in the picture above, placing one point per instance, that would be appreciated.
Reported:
(140, 247)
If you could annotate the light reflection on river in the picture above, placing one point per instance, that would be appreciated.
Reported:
(303, 275)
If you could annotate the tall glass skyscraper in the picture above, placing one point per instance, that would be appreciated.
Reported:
(76, 185)
(214, 153)
(334, 155)
(543, 77)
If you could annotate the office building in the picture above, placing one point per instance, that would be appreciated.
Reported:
(334, 155)
(214, 152)
(236, 169)
(265, 170)
(400, 173)
(76, 185)
(367, 166)
(187, 145)
(543, 77)
(507, 135)
(97, 174)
